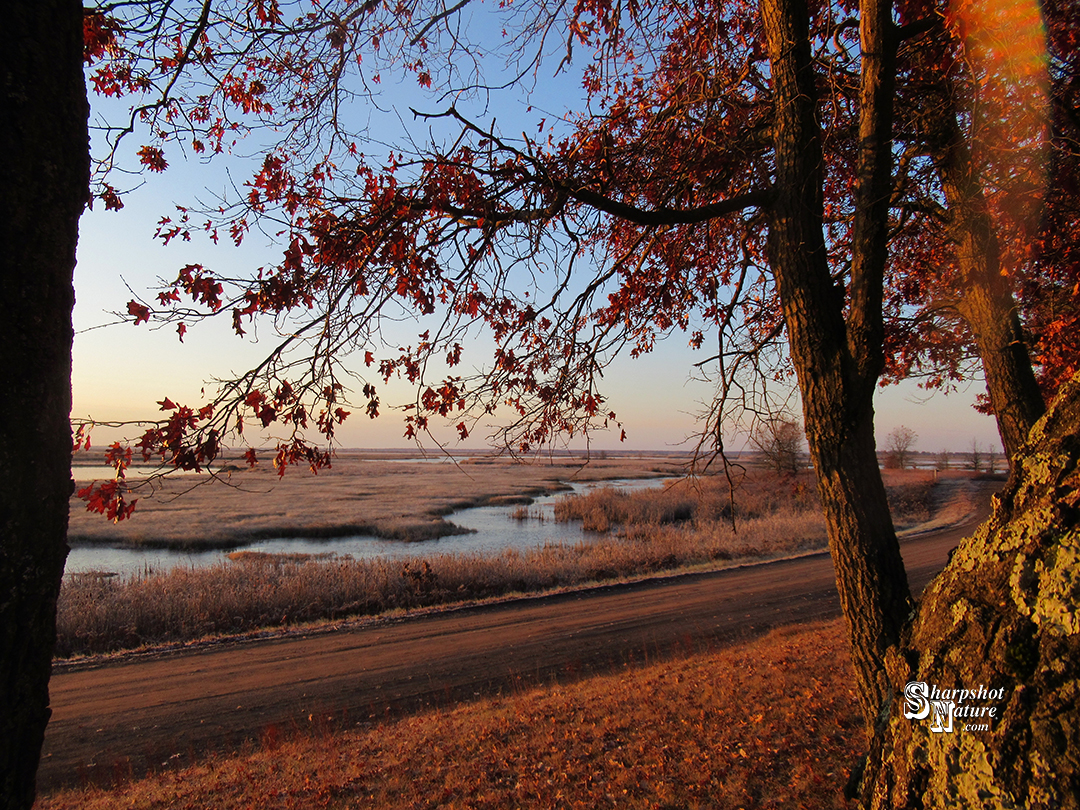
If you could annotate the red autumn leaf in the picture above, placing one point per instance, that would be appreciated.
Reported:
(267, 415)
(141, 312)
(111, 198)
(153, 158)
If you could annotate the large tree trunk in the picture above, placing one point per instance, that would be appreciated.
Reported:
(1003, 615)
(837, 363)
(986, 300)
(43, 151)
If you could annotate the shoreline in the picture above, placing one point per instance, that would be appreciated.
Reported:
(399, 500)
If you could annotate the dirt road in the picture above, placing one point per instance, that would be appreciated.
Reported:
(130, 715)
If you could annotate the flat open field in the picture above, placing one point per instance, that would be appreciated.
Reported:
(363, 493)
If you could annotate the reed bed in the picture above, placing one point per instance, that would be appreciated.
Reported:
(692, 501)
(101, 614)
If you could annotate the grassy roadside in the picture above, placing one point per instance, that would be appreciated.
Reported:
(772, 723)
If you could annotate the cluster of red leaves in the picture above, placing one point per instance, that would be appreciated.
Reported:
(169, 441)
(191, 439)
(100, 35)
(109, 497)
(153, 158)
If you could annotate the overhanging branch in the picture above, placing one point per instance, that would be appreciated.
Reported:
(670, 216)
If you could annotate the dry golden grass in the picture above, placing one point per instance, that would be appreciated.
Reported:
(699, 502)
(772, 723)
(360, 494)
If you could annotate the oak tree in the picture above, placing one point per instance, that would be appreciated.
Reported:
(785, 183)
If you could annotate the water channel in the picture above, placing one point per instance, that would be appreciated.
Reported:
(493, 530)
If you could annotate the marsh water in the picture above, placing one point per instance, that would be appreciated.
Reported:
(492, 529)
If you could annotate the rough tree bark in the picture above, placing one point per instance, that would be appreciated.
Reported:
(986, 303)
(1003, 615)
(838, 362)
(44, 177)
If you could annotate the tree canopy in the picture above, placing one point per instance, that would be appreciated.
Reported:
(637, 213)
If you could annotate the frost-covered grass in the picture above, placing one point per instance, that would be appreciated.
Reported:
(685, 525)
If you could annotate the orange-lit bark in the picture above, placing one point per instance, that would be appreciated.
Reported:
(837, 377)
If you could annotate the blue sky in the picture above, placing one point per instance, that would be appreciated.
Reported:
(121, 371)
